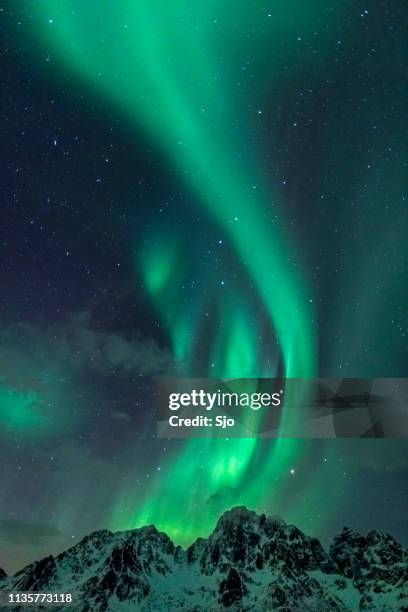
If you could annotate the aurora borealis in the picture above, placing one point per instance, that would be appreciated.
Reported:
(196, 189)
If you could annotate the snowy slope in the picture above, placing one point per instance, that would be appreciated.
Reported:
(249, 562)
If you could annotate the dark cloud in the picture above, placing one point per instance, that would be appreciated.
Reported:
(23, 542)
(22, 533)
(78, 344)
(223, 497)
(106, 351)
(375, 454)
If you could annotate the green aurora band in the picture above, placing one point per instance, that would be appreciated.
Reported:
(178, 71)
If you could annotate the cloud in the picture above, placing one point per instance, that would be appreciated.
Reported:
(23, 533)
(24, 542)
(223, 498)
(107, 351)
(379, 454)
(77, 344)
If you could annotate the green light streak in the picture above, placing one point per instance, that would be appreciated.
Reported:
(178, 71)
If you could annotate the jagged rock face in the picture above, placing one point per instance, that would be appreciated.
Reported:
(231, 589)
(355, 555)
(377, 564)
(287, 587)
(252, 542)
(249, 562)
(36, 577)
(2, 574)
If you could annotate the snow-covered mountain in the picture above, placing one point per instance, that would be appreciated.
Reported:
(249, 562)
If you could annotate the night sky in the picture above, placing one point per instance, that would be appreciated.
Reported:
(195, 189)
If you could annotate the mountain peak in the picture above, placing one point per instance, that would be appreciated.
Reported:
(241, 515)
(237, 514)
